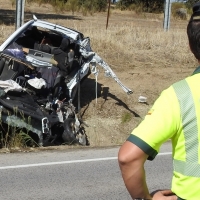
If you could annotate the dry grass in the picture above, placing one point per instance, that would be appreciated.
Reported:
(5, 31)
(135, 44)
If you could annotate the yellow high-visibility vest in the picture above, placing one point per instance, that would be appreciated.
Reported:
(175, 115)
(186, 156)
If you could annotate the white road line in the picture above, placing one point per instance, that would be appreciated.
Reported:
(165, 153)
(66, 162)
(57, 163)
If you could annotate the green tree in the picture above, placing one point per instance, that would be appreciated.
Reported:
(190, 3)
(147, 5)
(97, 5)
(100, 5)
(72, 5)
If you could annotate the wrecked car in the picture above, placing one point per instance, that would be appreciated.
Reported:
(41, 68)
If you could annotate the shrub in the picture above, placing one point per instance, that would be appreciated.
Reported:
(72, 5)
(153, 6)
(137, 8)
(95, 5)
(179, 11)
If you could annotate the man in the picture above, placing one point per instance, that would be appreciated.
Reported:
(61, 54)
(176, 116)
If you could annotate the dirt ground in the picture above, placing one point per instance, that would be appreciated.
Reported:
(113, 114)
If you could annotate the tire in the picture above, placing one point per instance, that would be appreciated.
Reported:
(69, 134)
(82, 137)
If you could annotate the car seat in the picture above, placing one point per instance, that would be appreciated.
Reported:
(10, 69)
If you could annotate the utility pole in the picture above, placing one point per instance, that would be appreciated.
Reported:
(167, 15)
(19, 17)
(108, 14)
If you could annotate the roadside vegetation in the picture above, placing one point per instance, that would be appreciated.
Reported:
(92, 6)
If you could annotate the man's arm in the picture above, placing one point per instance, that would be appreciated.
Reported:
(131, 161)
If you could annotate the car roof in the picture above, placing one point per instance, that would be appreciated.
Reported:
(75, 35)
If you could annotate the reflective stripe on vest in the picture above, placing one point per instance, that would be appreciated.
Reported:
(190, 166)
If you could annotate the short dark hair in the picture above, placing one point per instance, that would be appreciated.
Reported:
(193, 31)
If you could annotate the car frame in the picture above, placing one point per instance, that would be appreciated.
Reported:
(57, 112)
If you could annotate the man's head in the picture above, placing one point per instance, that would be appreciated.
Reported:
(193, 31)
(65, 44)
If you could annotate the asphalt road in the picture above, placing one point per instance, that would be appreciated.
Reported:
(74, 174)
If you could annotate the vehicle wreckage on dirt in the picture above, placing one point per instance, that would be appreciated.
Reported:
(41, 68)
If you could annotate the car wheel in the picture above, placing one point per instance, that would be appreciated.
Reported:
(69, 134)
